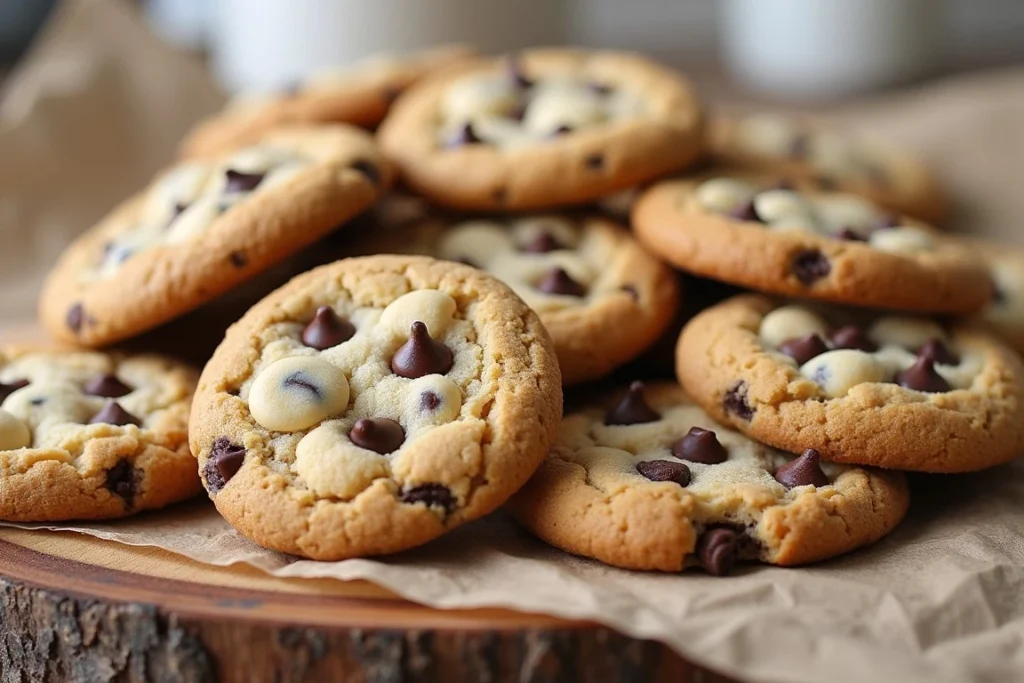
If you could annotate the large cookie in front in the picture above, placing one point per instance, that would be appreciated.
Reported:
(373, 404)
(799, 241)
(859, 387)
(544, 128)
(89, 435)
(647, 480)
(203, 227)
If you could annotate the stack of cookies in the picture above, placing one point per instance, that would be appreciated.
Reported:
(409, 378)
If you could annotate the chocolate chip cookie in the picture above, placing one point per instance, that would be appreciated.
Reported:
(374, 404)
(1004, 314)
(798, 241)
(89, 435)
(647, 480)
(602, 298)
(203, 227)
(860, 388)
(359, 95)
(543, 128)
(800, 149)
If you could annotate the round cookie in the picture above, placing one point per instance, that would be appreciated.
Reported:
(373, 404)
(1004, 314)
(203, 227)
(861, 388)
(601, 297)
(541, 129)
(649, 481)
(90, 435)
(799, 149)
(359, 95)
(798, 241)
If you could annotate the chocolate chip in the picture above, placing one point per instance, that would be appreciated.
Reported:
(107, 386)
(745, 211)
(594, 162)
(515, 73)
(561, 130)
(935, 351)
(368, 169)
(542, 243)
(632, 409)
(121, 481)
(802, 471)
(799, 146)
(75, 317)
(242, 182)
(700, 445)
(38, 400)
(429, 401)
(113, 414)
(717, 550)
(327, 329)
(557, 281)
(810, 265)
(600, 88)
(378, 434)
(665, 470)
(421, 355)
(802, 349)
(430, 494)
(238, 259)
(921, 376)
(178, 209)
(850, 235)
(6, 389)
(224, 462)
(851, 337)
(631, 290)
(735, 401)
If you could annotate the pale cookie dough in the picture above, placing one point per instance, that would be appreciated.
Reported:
(360, 95)
(373, 404)
(543, 128)
(799, 149)
(1004, 314)
(648, 480)
(859, 387)
(779, 238)
(89, 435)
(204, 227)
(602, 298)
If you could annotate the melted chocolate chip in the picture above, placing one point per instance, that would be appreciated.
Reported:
(745, 211)
(429, 401)
(542, 243)
(850, 235)
(936, 352)
(735, 401)
(557, 281)
(10, 387)
(378, 434)
(594, 162)
(107, 386)
(224, 462)
(802, 471)
(421, 355)
(700, 445)
(120, 481)
(242, 182)
(921, 376)
(851, 337)
(632, 409)
(810, 265)
(516, 75)
(430, 494)
(717, 550)
(368, 169)
(802, 349)
(75, 318)
(665, 470)
(113, 414)
(238, 259)
(327, 329)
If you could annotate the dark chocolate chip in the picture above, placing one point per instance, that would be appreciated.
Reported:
(810, 265)
(936, 352)
(851, 337)
(121, 481)
(735, 401)
(113, 414)
(542, 243)
(75, 318)
(594, 162)
(238, 259)
(38, 400)
(799, 146)
(632, 409)
(429, 400)
(515, 73)
(224, 462)
(178, 209)
(631, 290)
(368, 169)
(802, 471)
(717, 550)
(242, 182)
(802, 349)
(700, 445)
(665, 470)
(6, 389)
(557, 281)
(378, 434)
(327, 329)
(745, 211)
(430, 494)
(921, 376)
(850, 235)
(107, 386)
(421, 355)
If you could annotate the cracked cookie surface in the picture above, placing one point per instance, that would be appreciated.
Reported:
(373, 404)
(90, 435)
(648, 480)
(861, 388)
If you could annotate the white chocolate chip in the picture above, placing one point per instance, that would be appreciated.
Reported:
(331, 465)
(433, 400)
(433, 308)
(296, 393)
(475, 241)
(471, 98)
(909, 333)
(831, 153)
(839, 371)
(194, 219)
(961, 376)
(782, 206)
(722, 195)
(14, 433)
(789, 322)
(563, 104)
(901, 240)
(180, 185)
(847, 211)
(768, 134)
